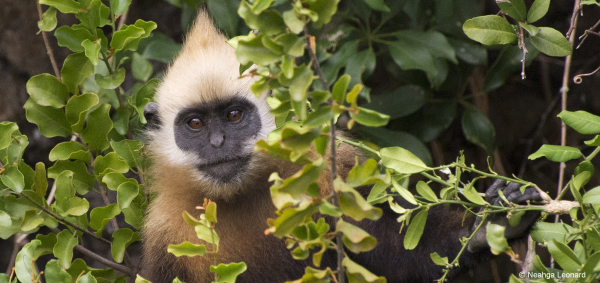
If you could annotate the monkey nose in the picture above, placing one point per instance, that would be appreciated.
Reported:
(217, 140)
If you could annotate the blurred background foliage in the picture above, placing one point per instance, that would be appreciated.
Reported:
(444, 92)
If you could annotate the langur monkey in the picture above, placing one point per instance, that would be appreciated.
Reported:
(202, 132)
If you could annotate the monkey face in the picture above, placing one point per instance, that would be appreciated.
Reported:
(218, 132)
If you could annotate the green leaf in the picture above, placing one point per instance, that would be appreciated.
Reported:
(551, 42)
(130, 151)
(6, 131)
(51, 121)
(325, 10)
(438, 260)
(63, 250)
(140, 279)
(514, 8)
(64, 6)
(122, 238)
(297, 184)
(495, 238)
(141, 69)
(472, 195)
(72, 37)
(359, 274)
(87, 278)
(211, 212)
(369, 117)
(109, 163)
(92, 50)
(47, 90)
(425, 191)
(291, 218)
(82, 180)
(98, 126)
(126, 193)
(77, 108)
(70, 150)
(111, 81)
(415, 230)
(76, 68)
(419, 50)
(252, 49)
(119, 7)
(75, 206)
(478, 129)
(5, 220)
(207, 234)
(139, 100)
(401, 160)
(48, 22)
(366, 174)
(187, 249)
(354, 238)
(378, 5)
(298, 140)
(544, 232)
(129, 36)
(319, 117)
(538, 9)
(292, 21)
(531, 29)
(100, 216)
(54, 273)
(581, 121)
(490, 30)
(556, 153)
(340, 88)
(404, 193)
(564, 256)
(269, 22)
(24, 262)
(592, 196)
(31, 220)
(594, 142)
(227, 273)
(13, 178)
(353, 204)
(400, 102)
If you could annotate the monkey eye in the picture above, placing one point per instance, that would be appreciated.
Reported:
(234, 115)
(195, 123)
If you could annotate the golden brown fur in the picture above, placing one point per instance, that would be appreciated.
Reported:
(207, 69)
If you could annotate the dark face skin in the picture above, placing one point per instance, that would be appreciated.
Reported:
(217, 132)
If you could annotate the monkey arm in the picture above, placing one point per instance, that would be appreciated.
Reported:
(445, 226)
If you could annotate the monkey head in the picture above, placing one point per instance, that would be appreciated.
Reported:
(206, 120)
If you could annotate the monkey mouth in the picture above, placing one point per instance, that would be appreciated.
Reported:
(225, 170)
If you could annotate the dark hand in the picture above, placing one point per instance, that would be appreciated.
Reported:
(513, 194)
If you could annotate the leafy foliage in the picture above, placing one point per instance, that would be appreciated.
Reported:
(319, 64)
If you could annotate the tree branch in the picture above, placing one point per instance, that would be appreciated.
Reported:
(47, 43)
(62, 220)
(310, 45)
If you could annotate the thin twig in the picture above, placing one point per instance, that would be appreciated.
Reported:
(127, 271)
(564, 92)
(523, 48)
(47, 43)
(62, 220)
(310, 45)
(588, 31)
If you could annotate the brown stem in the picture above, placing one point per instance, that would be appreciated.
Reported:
(105, 261)
(310, 45)
(47, 43)
(62, 220)
(564, 92)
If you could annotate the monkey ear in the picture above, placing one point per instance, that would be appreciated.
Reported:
(151, 115)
